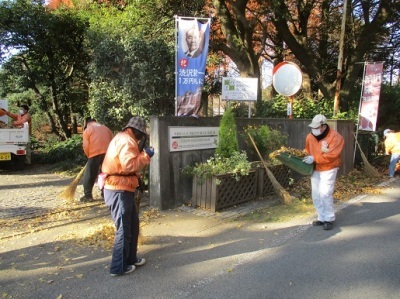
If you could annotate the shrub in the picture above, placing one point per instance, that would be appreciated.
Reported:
(266, 139)
(228, 143)
(69, 152)
(237, 165)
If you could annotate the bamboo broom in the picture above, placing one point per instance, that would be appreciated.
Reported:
(69, 192)
(279, 190)
(368, 168)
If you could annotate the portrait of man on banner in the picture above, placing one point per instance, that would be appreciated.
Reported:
(193, 38)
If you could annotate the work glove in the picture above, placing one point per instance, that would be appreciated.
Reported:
(324, 147)
(150, 151)
(308, 159)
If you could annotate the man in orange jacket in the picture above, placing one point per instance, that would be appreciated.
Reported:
(324, 146)
(96, 138)
(122, 164)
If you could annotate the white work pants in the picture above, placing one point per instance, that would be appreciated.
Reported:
(322, 187)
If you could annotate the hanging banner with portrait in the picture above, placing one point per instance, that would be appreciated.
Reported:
(369, 102)
(192, 49)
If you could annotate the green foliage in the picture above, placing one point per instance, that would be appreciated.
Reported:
(266, 139)
(228, 143)
(48, 56)
(131, 77)
(305, 108)
(389, 108)
(68, 152)
(237, 164)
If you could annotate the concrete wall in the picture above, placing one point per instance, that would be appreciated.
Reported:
(170, 188)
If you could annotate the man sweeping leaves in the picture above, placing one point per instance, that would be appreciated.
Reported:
(122, 165)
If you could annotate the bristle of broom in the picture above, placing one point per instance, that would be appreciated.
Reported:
(279, 190)
(69, 192)
(368, 168)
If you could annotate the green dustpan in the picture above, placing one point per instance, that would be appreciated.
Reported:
(295, 163)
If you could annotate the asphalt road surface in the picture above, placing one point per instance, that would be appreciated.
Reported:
(194, 256)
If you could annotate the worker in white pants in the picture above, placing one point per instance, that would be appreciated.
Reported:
(324, 146)
(322, 187)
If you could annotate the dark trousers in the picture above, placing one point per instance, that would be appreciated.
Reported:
(123, 212)
(91, 172)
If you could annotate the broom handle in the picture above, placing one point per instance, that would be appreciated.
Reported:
(258, 152)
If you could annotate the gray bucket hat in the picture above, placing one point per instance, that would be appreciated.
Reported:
(138, 123)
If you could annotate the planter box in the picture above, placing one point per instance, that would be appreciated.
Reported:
(223, 191)
(281, 173)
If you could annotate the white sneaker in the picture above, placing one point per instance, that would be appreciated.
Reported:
(140, 262)
(128, 270)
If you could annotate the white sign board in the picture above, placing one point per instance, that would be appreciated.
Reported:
(192, 138)
(239, 89)
(4, 105)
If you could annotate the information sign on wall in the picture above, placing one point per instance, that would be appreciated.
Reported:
(192, 138)
(239, 89)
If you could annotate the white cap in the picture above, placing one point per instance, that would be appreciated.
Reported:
(317, 121)
(386, 132)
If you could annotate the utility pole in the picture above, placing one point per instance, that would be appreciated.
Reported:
(340, 61)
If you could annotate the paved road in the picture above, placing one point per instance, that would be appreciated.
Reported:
(29, 192)
(191, 255)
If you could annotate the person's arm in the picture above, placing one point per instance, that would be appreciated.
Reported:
(12, 115)
(22, 119)
(335, 148)
(131, 160)
(85, 141)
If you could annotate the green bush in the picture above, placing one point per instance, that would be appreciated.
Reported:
(64, 153)
(237, 164)
(227, 157)
(228, 143)
(266, 139)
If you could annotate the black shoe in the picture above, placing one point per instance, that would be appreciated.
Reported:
(328, 225)
(317, 223)
(86, 198)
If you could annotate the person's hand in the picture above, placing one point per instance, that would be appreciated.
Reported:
(150, 151)
(308, 159)
(324, 147)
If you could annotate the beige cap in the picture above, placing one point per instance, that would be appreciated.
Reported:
(317, 121)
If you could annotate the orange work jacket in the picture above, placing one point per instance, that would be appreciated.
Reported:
(325, 161)
(96, 138)
(123, 162)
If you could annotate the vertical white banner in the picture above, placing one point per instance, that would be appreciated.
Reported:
(370, 97)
